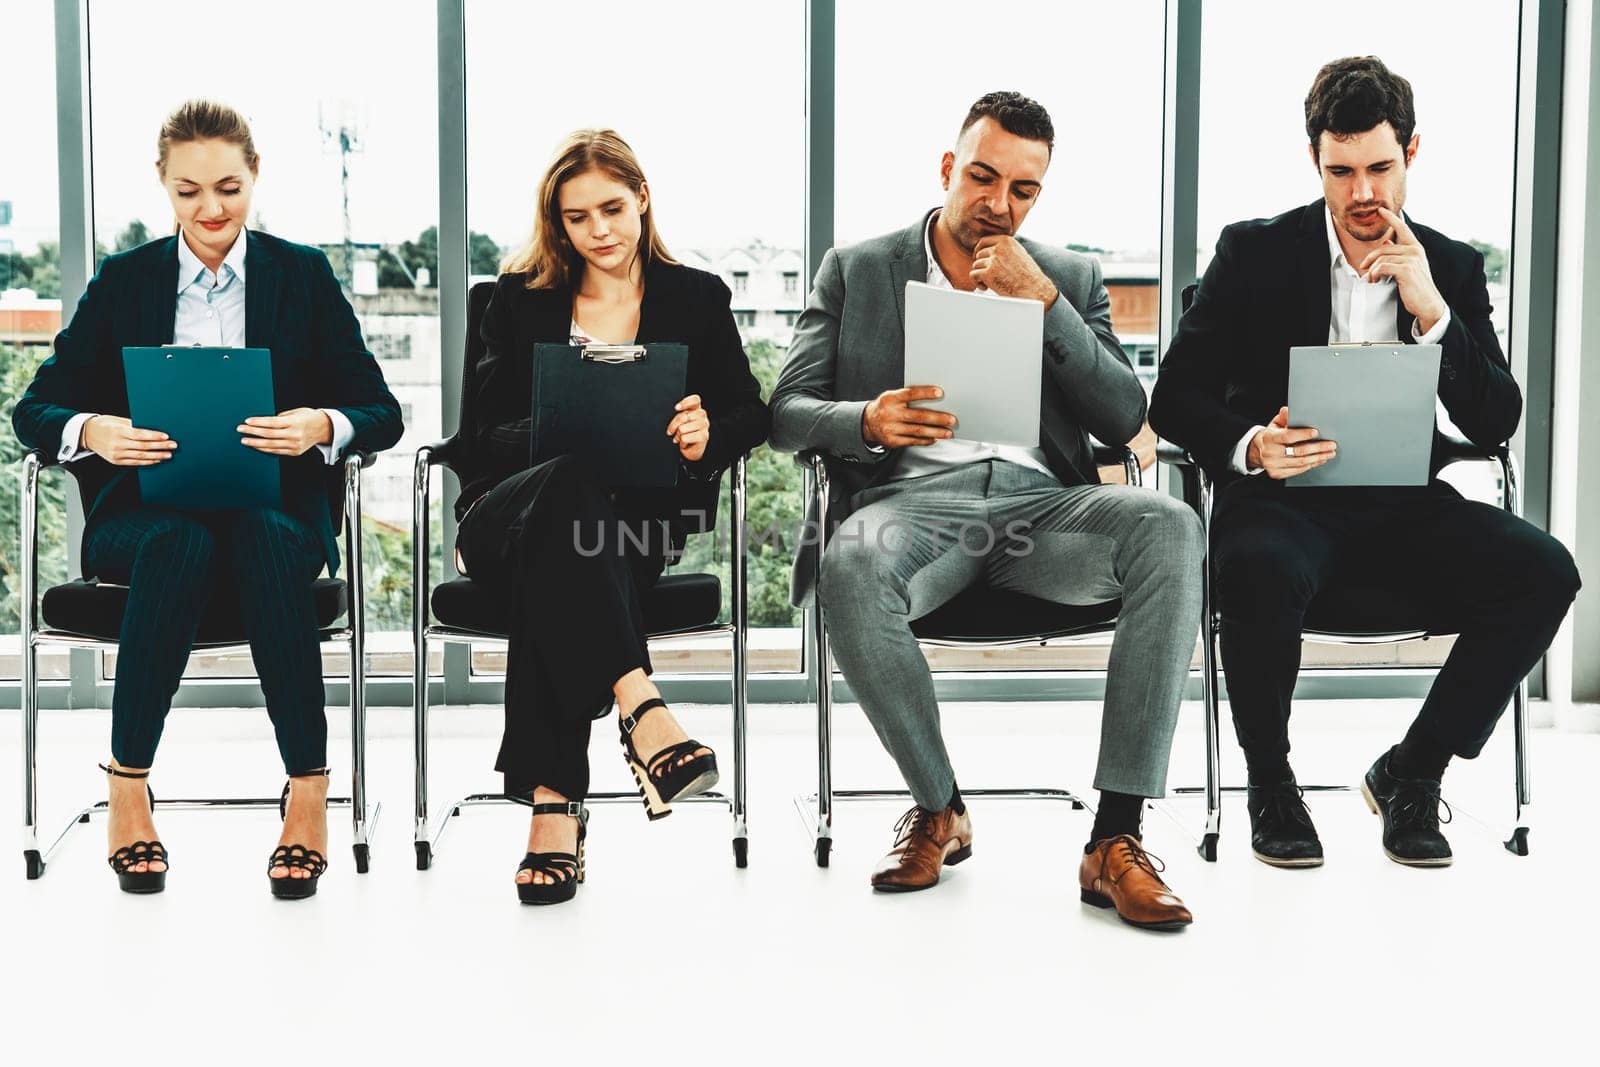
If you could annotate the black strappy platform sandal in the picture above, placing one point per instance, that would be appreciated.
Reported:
(661, 780)
(124, 859)
(295, 857)
(564, 867)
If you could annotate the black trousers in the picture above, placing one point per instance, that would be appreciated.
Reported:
(173, 563)
(573, 570)
(1498, 582)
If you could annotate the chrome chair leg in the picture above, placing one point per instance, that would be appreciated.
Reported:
(824, 824)
(419, 655)
(740, 573)
(1210, 625)
(31, 854)
(360, 824)
(1518, 841)
(1213, 714)
(421, 840)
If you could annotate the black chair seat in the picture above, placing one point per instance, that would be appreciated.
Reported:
(92, 609)
(678, 602)
(1356, 610)
(984, 614)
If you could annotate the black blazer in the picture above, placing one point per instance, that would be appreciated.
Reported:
(1267, 290)
(680, 304)
(293, 306)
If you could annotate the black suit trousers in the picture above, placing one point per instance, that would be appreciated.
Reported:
(551, 539)
(1497, 581)
(173, 563)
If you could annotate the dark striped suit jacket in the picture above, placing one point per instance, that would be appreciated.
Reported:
(293, 306)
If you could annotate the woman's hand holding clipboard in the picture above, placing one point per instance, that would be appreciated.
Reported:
(690, 428)
(117, 441)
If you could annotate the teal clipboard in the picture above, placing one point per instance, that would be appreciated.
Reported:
(198, 397)
(610, 404)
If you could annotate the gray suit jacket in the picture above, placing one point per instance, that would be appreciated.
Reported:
(849, 346)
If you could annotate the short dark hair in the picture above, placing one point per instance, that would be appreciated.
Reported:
(1017, 115)
(1355, 94)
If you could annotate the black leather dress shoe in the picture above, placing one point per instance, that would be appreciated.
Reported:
(1281, 832)
(1409, 808)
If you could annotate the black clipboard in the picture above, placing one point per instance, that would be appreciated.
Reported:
(610, 404)
(198, 396)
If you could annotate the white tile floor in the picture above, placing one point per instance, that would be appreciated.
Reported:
(668, 947)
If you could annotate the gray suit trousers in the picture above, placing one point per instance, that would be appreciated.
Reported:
(909, 546)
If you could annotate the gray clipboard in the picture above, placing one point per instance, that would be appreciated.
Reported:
(986, 352)
(610, 404)
(198, 396)
(1376, 401)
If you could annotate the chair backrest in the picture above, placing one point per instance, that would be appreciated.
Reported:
(462, 447)
(336, 497)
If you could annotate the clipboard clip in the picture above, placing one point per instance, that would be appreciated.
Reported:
(227, 352)
(597, 353)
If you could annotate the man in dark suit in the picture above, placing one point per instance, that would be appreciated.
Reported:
(1353, 267)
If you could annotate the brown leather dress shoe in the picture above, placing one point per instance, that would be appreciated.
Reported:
(924, 842)
(1119, 873)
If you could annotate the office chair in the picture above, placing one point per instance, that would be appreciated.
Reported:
(1352, 614)
(88, 614)
(979, 617)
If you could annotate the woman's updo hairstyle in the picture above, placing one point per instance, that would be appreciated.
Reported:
(205, 120)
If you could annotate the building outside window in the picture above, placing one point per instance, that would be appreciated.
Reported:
(30, 313)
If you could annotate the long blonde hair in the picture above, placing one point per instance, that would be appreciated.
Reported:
(548, 256)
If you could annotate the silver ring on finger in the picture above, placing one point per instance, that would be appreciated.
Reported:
(1288, 450)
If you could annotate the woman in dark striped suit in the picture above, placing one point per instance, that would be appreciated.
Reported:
(213, 282)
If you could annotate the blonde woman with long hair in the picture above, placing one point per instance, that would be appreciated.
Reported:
(595, 269)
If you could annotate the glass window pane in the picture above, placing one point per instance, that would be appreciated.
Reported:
(1254, 161)
(349, 163)
(1098, 71)
(30, 305)
(1102, 193)
(720, 131)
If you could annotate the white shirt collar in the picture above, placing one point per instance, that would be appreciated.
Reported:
(1336, 250)
(190, 268)
(936, 275)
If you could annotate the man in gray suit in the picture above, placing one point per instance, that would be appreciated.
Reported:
(913, 496)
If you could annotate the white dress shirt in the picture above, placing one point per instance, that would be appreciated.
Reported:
(918, 461)
(1361, 311)
(210, 311)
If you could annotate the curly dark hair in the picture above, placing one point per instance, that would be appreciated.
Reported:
(1355, 94)
(1017, 115)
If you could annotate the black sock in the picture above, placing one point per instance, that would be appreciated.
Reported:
(955, 800)
(1119, 813)
(1267, 770)
(1419, 755)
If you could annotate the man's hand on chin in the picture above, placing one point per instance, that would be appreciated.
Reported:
(1000, 264)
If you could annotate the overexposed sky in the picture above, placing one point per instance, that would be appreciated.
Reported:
(712, 95)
